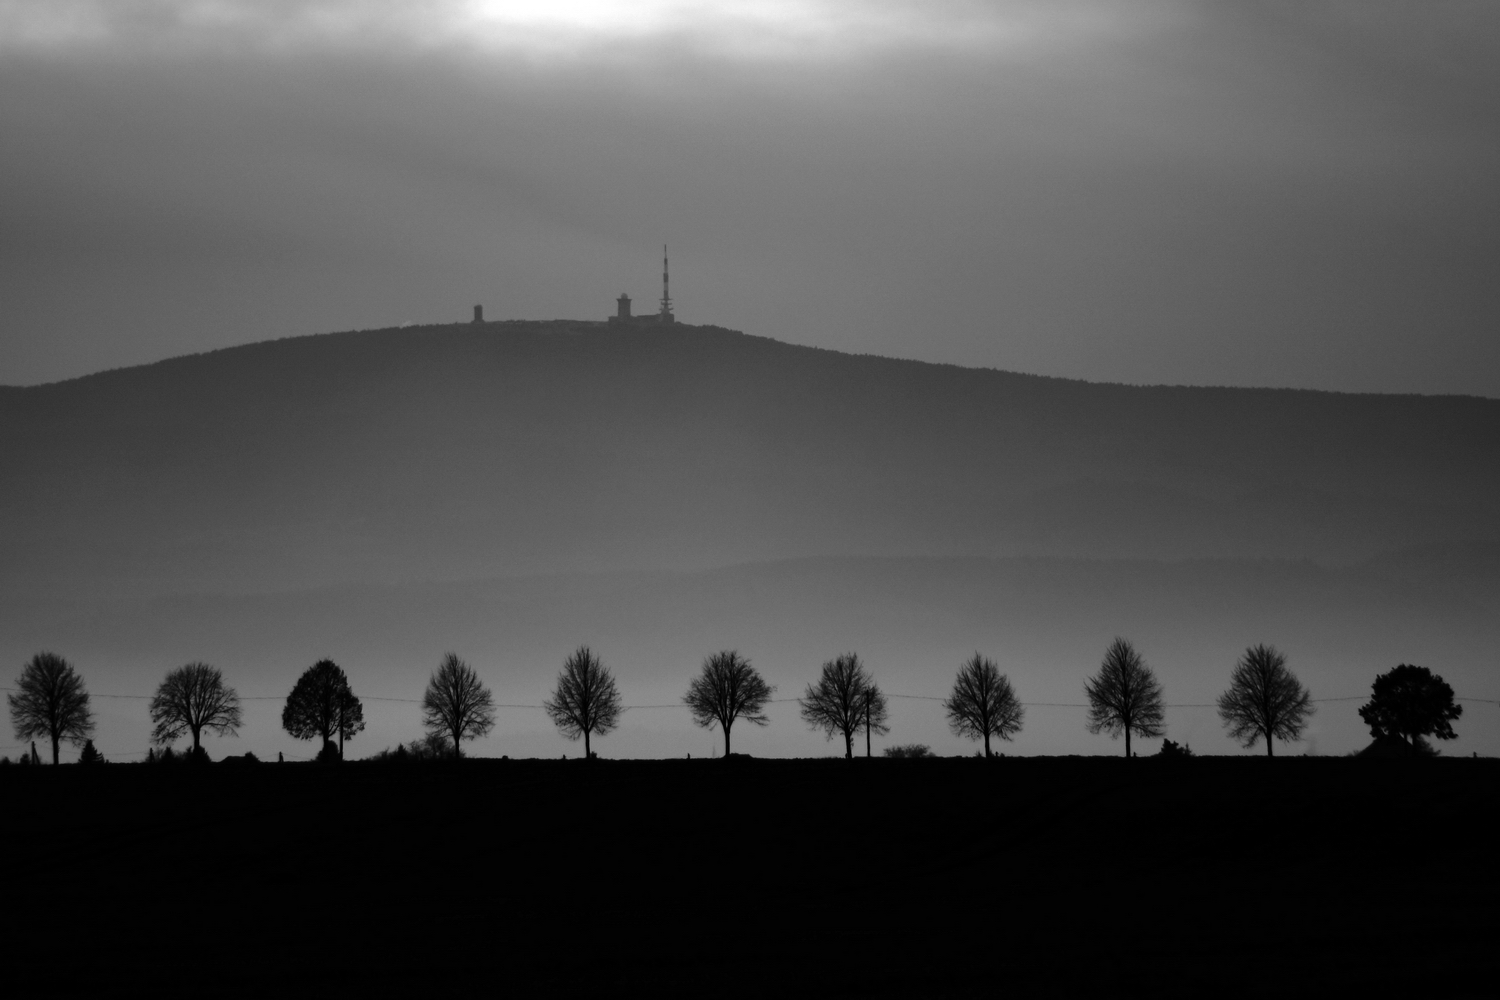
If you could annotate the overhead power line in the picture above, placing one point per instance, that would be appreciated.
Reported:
(781, 701)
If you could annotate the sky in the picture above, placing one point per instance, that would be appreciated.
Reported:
(1153, 191)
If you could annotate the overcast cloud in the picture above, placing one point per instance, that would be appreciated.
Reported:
(1245, 193)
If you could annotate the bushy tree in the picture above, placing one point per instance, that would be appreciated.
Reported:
(726, 689)
(193, 698)
(909, 751)
(433, 746)
(90, 754)
(322, 704)
(457, 705)
(1170, 749)
(842, 699)
(1265, 700)
(1124, 697)
(1411, 702)
(983, 703)
(586, 702)
(50, 701)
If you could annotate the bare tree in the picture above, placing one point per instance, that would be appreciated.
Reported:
(842, 698)
(322, 704)
(191, 699)
(983, 703)
(1125, 696)
(728, 688)
(457, 704)
(1264, 699)
(586, 701)
(50, 700)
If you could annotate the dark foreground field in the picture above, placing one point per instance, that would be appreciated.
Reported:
(1235, 876)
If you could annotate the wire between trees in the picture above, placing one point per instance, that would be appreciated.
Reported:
(786, 701)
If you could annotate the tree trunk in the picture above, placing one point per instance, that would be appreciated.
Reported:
(1268, 745)
(986, 745)
(726, 739)
(54, 749)
(867, 736)
(588, 754)
(341, 743)
(1127, 742)
(197, 744)
(848, 746)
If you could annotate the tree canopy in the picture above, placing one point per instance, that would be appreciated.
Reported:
(51, 701)
(586, 701)
(983, 703)
(726, 689)
(1124, 696)
(193, 698)
(322, 704)
(1265, 700)
(1411, 703)
(841, 699)
(456, 704)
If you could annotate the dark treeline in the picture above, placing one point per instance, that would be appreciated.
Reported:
(1264, 702)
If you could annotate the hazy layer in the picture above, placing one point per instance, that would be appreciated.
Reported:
(264, 506)
(468, 451)
(1046, 622)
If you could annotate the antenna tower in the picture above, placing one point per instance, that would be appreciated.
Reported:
(666, 295)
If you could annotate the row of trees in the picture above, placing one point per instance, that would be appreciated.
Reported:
(1264, 701)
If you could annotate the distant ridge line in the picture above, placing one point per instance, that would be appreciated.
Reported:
(677, 328)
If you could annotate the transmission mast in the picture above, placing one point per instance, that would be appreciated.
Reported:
(666, 295)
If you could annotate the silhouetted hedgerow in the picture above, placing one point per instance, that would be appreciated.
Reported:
(432, 747)
(1170, 749)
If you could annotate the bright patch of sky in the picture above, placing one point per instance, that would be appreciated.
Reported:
(556, 28)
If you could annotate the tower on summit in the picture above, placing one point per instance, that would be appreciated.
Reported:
(664, 311)
(666, 294)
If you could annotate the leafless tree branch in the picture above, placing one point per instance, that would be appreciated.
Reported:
(842, 699)
(50, 701)
(586, 702)
(983, 703)
(728, 688)
(1264, 700)
(190, 699)
(457, 704)
(1124, 697)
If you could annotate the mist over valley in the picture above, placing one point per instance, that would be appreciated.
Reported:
(511, 490)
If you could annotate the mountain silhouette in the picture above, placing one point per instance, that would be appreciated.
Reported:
(481, 450)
